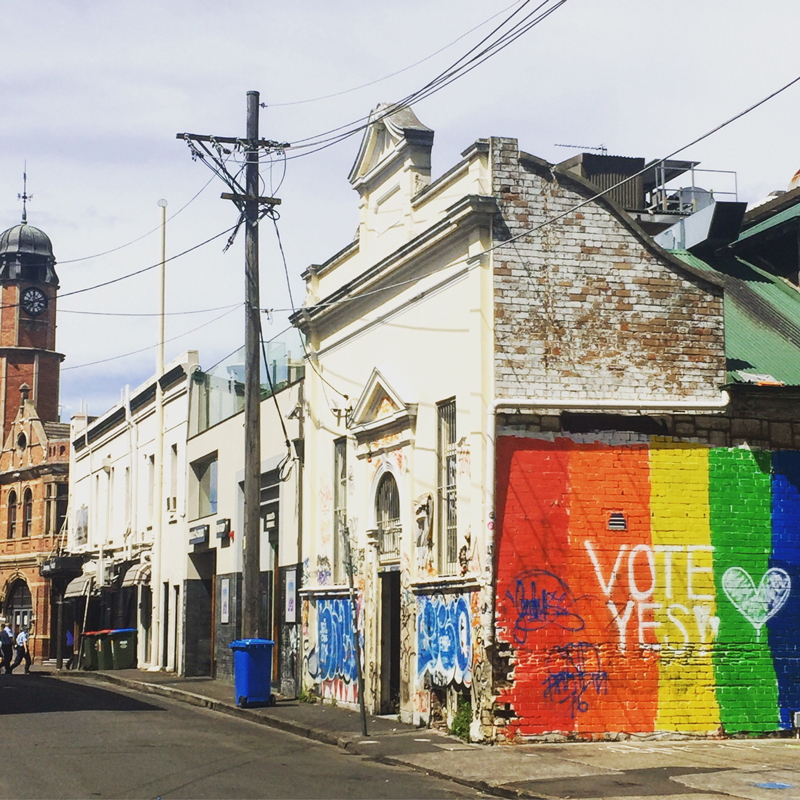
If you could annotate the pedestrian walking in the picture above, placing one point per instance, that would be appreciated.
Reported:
(23, 652)
(70, 648)
(6, 647)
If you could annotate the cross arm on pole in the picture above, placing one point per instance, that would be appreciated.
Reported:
(241, 198)
(234, 140)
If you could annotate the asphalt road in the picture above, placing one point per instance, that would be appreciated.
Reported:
(68, 740)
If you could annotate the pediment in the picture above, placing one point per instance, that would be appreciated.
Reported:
(26, 435)
(380, 407)
(385, 138)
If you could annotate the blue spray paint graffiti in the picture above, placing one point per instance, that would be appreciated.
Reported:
(573, 669)
(444, 639)
(540, 599)
(335, 640)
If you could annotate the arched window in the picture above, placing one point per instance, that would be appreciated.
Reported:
(27, 513)
(12, 514)
(387, 515)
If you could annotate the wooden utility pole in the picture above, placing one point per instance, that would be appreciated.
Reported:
(251, 543)
(216, 150)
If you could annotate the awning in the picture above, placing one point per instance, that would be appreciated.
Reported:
(80, 586)
(137, 575)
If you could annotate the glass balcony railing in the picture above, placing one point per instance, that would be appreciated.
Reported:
(218, 392)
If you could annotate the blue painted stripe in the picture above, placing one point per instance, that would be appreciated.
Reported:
(784, 627)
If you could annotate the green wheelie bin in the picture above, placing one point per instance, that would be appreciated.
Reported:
(89, 650)
(104, 657)
(123, 648)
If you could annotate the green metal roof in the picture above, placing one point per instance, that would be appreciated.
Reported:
(762, 321)
(787, 215)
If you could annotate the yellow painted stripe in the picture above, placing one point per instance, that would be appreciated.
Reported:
(685, 608)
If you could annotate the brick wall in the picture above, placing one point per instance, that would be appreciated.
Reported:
(648, 583)
(585, 306)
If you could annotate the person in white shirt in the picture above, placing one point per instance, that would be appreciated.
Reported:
(23, 650)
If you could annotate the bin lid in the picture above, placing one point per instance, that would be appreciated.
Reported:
(250, 644)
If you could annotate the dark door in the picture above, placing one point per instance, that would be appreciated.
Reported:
(165, 628)
(199, 617)
(390, 642)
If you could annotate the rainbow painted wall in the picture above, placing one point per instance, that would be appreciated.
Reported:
(647, 587)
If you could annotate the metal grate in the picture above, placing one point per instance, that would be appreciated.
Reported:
(388, 518)
(447, 519)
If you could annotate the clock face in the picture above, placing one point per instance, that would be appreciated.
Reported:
(33, 301)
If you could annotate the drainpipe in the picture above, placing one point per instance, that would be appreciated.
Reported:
(543, 404)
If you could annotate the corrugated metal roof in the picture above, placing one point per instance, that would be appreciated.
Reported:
(787, 215)
(762, 321)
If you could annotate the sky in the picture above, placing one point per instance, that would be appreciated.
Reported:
(94, 93)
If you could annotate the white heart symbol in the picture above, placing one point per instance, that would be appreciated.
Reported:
(757, 605)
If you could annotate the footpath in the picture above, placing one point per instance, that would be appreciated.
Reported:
(680, 770)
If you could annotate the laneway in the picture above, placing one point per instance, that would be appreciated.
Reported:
(64, 740)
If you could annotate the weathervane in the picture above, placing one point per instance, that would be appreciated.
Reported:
(25, 196)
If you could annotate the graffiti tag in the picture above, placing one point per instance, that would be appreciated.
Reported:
(335, 654)
(573, 670)
(444, 639)
(540, 599)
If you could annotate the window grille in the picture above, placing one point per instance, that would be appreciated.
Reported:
(387, 506)
(447, 527)
(339, 508)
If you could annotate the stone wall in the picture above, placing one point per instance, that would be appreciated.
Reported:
(226, 632)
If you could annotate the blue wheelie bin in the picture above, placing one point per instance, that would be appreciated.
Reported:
(252, 671)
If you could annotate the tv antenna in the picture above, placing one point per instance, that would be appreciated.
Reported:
(602, 149)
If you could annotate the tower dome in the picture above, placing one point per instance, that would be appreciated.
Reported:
(26, 253)
(24, 238)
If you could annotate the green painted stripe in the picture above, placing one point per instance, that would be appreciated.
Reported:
(741, 532)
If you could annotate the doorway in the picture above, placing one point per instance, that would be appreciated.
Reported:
(390, 642)
(19, 606)
(200, 621)
(165, 628)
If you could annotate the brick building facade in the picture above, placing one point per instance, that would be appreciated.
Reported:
(34, 461)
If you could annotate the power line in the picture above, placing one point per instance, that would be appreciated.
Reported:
(557, 217)
(149, 314)
(315, 144)
(152, 346)
(411, 97)
(275, 218)
(147, 269)
(392, 74)
(138, 238)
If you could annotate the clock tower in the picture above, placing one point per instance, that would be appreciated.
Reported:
(28, 289)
